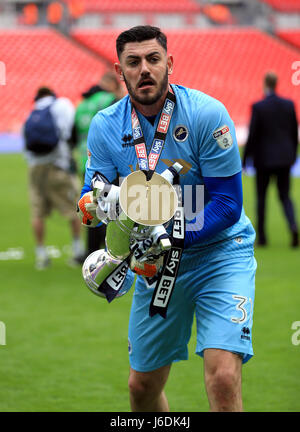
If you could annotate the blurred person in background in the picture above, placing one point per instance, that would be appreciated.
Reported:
(95, 99)
(111, 83)
(272, 144)
(53, 183)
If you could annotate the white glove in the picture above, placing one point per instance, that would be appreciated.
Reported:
(156, 243)
(107, 211)
(99, 205)
(107, 197)
(148, 252)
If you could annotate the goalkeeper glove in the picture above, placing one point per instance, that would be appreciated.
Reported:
(147, 253)
(145, 267)
(86, 209)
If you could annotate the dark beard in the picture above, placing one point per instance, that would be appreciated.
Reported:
(147, 100)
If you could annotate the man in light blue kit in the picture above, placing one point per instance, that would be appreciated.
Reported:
(216, 275)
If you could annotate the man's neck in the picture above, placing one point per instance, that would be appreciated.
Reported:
(151, 110)
(269, 92)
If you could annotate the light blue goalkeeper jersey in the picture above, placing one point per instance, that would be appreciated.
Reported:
(201, 138)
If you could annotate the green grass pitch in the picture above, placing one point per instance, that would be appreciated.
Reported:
(66, 349)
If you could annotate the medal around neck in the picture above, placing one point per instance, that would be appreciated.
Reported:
(144, 204)
(151, 204)
(148, 203)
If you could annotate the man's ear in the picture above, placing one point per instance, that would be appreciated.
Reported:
(170, 64)
(118, 69)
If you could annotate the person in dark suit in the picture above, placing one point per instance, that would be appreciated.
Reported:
(272, 144)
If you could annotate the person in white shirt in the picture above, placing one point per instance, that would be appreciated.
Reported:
(52, 182)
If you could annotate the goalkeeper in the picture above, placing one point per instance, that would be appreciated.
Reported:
(215, 281)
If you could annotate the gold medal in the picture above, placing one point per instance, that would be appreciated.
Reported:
(149, 203)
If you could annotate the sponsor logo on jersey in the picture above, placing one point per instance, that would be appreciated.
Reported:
(180, 133)
(223, 137)
(220, 132)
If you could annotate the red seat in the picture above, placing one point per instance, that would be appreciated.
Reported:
(292, 36)
(228, 64)
(134, 6)
(284, 5)
(41, 57)
(219, 14)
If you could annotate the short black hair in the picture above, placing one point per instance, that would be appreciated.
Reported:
(270, 80)
(140, 34)
(42, 92)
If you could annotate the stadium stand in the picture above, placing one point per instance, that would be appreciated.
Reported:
(121, 13)
(226, 63)
(284, 5)
(292, 36)
(134, 6)
(219, 14)
(41, 57)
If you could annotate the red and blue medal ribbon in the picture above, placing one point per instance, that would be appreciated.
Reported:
(148, 163)
(165, 280)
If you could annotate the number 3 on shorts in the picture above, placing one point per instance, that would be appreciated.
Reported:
(240, 307)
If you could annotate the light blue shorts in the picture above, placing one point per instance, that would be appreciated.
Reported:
(220, 294)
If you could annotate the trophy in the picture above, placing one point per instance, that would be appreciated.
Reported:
(145, 209)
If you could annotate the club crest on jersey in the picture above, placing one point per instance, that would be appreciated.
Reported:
(180, 133)
(223, 137)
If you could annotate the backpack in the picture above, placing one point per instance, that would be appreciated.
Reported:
(40, 132)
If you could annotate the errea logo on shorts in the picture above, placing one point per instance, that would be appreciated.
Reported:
(223, 137)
